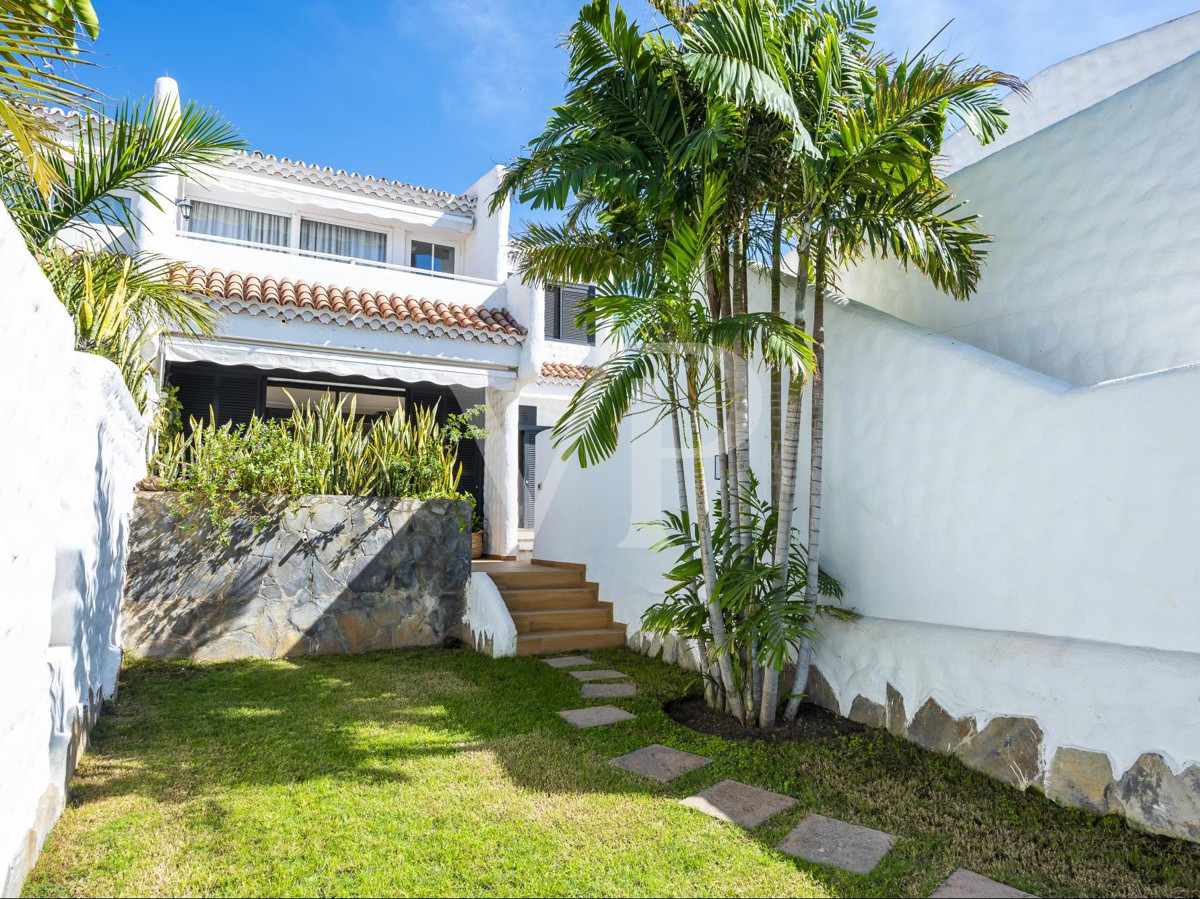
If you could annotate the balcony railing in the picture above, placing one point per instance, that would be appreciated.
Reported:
(348, 260)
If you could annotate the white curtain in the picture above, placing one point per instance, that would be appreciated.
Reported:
(239, 224)
(338, 240)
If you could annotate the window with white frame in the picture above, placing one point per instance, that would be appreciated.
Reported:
(434, 257)
(230, 222)
(342, 240)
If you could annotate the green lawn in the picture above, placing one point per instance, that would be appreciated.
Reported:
(435, 773)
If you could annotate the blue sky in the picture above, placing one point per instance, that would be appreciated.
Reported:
(436, 91)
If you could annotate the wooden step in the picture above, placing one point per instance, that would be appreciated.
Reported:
(562, 620)
(563, 641)
(535, 577)
(550, 598)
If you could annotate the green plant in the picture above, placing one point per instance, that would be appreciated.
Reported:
(758, 610)
(736, 131)
(229, 471)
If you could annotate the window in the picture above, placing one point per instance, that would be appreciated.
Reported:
(369, 402)
(239, 224)
(563, 308)
(432, 256)
(340, 240)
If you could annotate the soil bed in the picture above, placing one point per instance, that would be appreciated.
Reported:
(813, 723)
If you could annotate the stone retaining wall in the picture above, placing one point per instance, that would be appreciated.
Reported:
(326, 574)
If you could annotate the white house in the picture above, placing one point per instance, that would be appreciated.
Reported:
(376, 290)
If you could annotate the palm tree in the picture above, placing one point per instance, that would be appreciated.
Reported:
(118, 301)
(670, 341)
(38, 39)
(873, 189)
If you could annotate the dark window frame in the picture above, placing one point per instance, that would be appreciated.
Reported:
(560, 321)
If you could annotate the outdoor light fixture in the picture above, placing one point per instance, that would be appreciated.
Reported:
(185, 209)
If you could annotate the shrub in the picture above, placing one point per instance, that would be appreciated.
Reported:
(321, 449)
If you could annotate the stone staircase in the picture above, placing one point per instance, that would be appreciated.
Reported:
(554, 608)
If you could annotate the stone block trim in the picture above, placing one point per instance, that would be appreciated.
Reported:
(325, 574)
(1012, 749)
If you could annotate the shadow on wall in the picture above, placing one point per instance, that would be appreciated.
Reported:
(319, 575)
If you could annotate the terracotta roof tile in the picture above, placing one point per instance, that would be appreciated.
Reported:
(564, 371)
(340, 179)
(347, 305)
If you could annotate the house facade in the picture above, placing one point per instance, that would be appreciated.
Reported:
(375, 291)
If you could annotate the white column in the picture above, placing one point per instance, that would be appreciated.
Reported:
(154, 226)
(501, 477)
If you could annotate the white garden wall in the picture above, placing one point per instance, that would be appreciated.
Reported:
(1096, 219)
(71, 453)
(1022, 549)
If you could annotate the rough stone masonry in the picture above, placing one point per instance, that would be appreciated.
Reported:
(314, 575)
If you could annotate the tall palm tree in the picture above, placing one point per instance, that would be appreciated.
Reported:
(873, 189)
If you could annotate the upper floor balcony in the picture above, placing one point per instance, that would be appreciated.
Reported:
(330, 269)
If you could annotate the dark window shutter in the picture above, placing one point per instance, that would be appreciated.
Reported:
(575, 300)
(239, 398)
(196, 390)
(553, 313)
(529, 477)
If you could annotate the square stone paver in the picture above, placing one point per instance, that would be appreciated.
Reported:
(568, 662)
(964, 884)
(741, 804)
(597, 674)
(661, 763)
(827, 841)
(608, 691)
(597, 716)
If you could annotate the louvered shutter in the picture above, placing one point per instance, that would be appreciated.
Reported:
(576, 299)
(196, 390)
(553, 299)
(239, 397)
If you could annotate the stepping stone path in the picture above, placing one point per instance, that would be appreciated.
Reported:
(597, 716)
(827, 841)
(739, 803)
(568, 662)
(597, 674)
(964, 884)
(660, 763)
(816, 839)
(607, 691)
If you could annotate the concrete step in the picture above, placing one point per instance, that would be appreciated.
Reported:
(563, 641)
(562, 620)
(535, 577)
(550, 598)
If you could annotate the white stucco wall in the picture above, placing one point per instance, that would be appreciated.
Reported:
(71, 455)
(1019, 546)
(1096, 219)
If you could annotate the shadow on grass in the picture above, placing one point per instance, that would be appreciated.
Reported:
(182, 732)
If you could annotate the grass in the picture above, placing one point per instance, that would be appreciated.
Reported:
(448, 773)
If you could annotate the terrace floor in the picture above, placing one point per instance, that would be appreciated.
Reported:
(435, 773)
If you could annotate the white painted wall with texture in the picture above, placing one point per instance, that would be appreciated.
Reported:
(70, 457)
(1093, 271)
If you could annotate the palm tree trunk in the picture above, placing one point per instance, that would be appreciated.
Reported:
(716, 620)
(790, 453)
(677, 438)
(814, 484)
(776, 375)
(729, 503)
